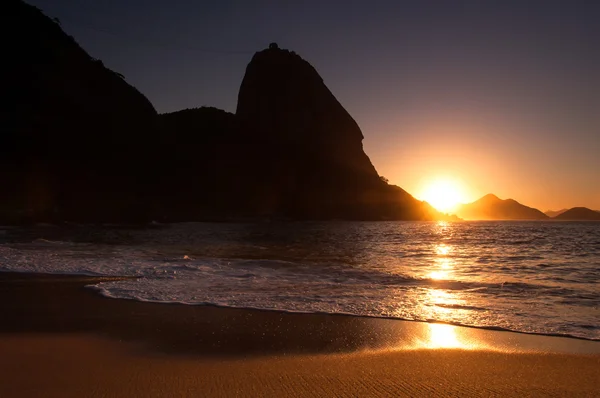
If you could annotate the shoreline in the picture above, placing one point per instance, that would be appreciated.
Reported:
(344, 314)
(62, 339)
(83, 279)
(308, 332)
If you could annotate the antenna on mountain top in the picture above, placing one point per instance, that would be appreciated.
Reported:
(273, 46)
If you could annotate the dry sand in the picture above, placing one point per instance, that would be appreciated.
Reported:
(61, 340)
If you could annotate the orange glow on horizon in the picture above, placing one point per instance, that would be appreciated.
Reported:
(444, 194)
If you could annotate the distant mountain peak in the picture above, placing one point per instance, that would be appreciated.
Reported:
(490, 197)
(579, 213)
(554, 213)
(491, 207)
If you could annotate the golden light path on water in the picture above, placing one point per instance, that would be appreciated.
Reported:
(441, 302)
(443, 336)
(448, 293)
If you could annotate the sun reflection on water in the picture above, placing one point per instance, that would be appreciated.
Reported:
(442, 298)
(442, 227)
(443, 265)
(440, 302)
(443, 250)
(443, 268)
(438, 275)
(443, 336)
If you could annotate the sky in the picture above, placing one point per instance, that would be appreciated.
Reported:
(500, 97)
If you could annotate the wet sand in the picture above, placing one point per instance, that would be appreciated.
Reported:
(61, 339)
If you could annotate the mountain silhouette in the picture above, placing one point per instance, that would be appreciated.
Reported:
(579, 214)
(78, 143)
(291, 150)
(490, 207)
(298, 126)
(71, 128)
(554, 213)
(203, 167)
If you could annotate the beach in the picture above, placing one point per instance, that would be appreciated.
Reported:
(300, 199)
(62, 339)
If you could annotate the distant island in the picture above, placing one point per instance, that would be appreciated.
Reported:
(579, 214)
(78, 143)
(490, 207)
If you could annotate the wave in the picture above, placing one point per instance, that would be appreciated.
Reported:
(383, 270)
(461, 307)
(108, 294)
(115, 292)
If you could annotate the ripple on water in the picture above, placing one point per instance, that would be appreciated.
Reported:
(532, 277)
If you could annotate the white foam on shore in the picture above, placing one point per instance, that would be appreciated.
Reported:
(376, 286)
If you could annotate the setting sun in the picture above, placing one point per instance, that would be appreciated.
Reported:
(443, 194)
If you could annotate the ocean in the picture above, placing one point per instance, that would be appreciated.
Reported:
(532, 277)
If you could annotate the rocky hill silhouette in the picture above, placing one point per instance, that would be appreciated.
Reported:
(78, 143)
(298, 126)
(579, 214)
(490, 207)
(71, 128)
(290, 151)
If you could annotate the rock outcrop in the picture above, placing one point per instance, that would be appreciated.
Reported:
(490, 207)
(307, 149)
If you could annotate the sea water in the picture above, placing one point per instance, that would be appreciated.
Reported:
(535, 277)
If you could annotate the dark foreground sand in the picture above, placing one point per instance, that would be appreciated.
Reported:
(59, 339)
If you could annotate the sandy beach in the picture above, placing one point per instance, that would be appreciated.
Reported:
(60, 339)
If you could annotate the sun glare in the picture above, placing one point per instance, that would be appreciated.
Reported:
(443, 336)
(443, 194)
